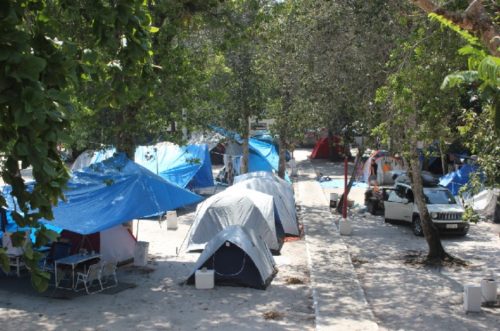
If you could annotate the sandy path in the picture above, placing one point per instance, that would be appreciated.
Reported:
(408, 297)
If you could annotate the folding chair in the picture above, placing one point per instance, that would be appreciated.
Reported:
(93, 274)
(58, 250)
(15, 253)
(108, 272)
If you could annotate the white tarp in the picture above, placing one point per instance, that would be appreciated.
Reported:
(485, 202)
(233, 207)
(265, 174)
(283, 200)
(117, 244)
(89, 157)
(246, 239)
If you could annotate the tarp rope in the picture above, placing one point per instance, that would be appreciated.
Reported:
(233, 274)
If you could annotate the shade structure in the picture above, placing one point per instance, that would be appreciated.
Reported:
(187, 166)
(115, 191)
(238, 258)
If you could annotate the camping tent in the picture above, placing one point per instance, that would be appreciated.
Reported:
(263, 156)
(235, 207)
(321, 150)
(237, 257)
(90, 157)
(283, 200)
(186, 166)
(115, 244)
(115, 191)
(487, 204)
(103, 196)
(265, 174)
(386, 165)
(456, 179)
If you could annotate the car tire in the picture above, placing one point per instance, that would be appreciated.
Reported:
(416, 226)
(370, 207)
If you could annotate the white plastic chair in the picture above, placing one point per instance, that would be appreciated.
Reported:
(108, 272)
(15, 253)
(93, 274)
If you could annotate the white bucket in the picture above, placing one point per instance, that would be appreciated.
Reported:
(141, 253)
(489, 290)
(204, 279)
(171, 220)
(472, 298)
(334, 197)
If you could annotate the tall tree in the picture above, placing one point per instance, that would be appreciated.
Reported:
(417, 108)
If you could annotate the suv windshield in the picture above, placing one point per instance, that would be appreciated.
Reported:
(439, 197)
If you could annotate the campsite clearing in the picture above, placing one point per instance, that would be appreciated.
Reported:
(398, 295)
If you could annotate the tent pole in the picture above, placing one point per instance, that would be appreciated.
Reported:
(137, 230)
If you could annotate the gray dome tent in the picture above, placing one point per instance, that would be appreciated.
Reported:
(238, 258)
(284, 201)
(244, 207)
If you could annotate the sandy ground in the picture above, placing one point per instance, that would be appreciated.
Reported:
(403, 296)
(160, 302)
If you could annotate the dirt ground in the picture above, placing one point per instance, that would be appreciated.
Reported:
(405, 296)
(401, 296)
(160, 302)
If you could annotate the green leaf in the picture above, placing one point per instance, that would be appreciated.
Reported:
(30, 67)
(153, 29)
(4, 260)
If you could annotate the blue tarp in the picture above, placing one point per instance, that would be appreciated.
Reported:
(339, 183)
(115, 191)
(263, 156)
(455, 180)
(187, 166)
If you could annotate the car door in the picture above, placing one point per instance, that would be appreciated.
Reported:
(407, 208)
(394, 206)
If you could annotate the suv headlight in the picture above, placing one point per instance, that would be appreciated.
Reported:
(434, 215)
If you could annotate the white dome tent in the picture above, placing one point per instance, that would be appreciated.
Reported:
(234, 207)
(283, 200)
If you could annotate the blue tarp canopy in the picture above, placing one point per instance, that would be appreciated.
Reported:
(115, 191)
(187, 166)
(455, 180)
(263, 156)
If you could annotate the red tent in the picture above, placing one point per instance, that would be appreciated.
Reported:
(321, 150)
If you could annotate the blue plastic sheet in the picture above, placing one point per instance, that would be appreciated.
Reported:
(115, 191)
(187, 166)
(455, 180)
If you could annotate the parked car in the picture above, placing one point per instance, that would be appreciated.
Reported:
(445, 212)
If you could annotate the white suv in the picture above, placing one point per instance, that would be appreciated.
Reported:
(445, 212)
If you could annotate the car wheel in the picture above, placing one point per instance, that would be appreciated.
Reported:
(416, 226)
(370, 207)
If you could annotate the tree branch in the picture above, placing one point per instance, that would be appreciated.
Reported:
(474, 19)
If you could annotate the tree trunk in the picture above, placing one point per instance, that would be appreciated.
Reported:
(246, 151)
(353, 177)
(331, 151)
(282, 156)
(431, 233)
(443, 157)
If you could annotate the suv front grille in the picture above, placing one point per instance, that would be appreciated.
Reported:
(449, 216)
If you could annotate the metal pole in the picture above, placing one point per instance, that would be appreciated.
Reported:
(344, 200)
